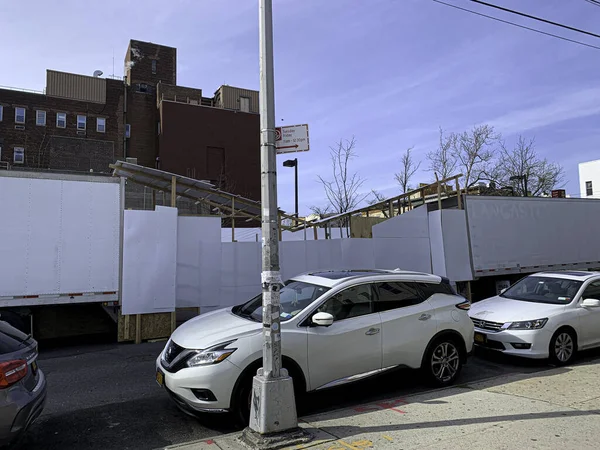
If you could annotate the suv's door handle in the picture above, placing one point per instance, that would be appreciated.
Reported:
(372, 331)
(425, 317)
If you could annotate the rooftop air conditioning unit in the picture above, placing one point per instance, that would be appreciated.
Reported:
(131, 160)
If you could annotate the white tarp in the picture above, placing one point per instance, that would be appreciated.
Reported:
(58, 236)
(149, 261)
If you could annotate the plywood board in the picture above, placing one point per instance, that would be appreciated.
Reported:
(411, 224)
(403, 253)
(357, 254)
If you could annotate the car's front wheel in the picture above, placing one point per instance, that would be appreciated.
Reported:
(563, 346)
(443, 362)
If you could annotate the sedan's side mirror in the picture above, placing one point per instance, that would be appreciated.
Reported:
(502, 291)
(590, 303)
(322, 319)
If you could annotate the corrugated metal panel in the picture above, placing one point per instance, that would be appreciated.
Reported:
(230, 98)
(76, 87)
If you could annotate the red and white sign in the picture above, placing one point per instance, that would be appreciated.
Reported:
(290, 139)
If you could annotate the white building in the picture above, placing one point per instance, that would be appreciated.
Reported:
(589, 179)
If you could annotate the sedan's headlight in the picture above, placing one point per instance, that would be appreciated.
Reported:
(528, 325)
(213, 355)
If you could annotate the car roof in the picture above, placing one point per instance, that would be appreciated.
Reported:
(331, 278)
(578, 275)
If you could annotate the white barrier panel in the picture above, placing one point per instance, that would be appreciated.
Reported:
(357, 254)
(456, 245)
(436, 241)
(241, 268)
(149, 261)
(58, 236)
(198, 261)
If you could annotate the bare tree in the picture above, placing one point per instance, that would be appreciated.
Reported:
(378, 197)
(474, 151)
(442, 160)
(524, 171)
(321, 211)
(343, 190)
(408, 168)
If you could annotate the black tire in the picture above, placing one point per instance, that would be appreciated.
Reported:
(563, 347)
(443, 361)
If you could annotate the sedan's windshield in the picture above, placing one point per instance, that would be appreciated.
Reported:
(558, 291)
(294, 297)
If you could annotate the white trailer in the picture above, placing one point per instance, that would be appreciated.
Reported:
(512, 235)
(61, 238)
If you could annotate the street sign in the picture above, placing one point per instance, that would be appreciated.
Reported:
(290, 139)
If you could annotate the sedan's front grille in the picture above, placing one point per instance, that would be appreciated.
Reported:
(173, 350)
(485, 325)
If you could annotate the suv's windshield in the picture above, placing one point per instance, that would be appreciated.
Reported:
(558, 291)
(295, 296)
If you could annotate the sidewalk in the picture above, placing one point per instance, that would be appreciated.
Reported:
(553, 409)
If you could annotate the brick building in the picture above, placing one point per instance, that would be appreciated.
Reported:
(76, 125)
(83, 123)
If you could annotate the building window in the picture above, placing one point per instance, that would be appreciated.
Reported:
(61, 120)
(244, 104)
(588, 188)
(101, 125)
(19, 115)
(153, 67)
(127, 130)
(40, 118)
(142, 87)
(81, 122)
(19, 155)
(1, 112)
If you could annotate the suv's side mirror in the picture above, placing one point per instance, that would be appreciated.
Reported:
(322, 319)
(590, 303)
(503, 290)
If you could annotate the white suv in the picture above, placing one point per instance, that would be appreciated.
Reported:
(368, 322)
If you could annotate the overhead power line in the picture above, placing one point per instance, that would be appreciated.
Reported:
(539, 19)
(518, 25)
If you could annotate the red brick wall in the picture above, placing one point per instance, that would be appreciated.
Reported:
(49, 147)
(193, 136)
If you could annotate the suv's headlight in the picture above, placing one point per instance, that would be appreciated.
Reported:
(528, 325)
(213, 355)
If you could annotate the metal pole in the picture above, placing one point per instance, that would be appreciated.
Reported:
(273, 408)
(296, 174)
(271, 280)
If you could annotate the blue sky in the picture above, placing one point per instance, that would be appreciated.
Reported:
(389, 72)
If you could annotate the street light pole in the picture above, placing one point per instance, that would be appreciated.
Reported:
(294, 163)
(273, 415)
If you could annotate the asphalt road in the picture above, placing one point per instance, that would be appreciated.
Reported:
(105, 397)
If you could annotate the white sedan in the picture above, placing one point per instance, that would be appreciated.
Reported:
(544, 315)
(336, 326)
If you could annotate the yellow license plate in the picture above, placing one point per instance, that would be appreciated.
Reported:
(480, 338)
(160, 378)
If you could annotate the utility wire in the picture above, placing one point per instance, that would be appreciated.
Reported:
(539, 19)
(517, 25)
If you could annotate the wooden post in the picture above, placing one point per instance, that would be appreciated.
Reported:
(173, 191)
(439, 192)
(459, 196)
(233, 220)
(469, 294)
(173, 321)
(126, 327)
(153, 199)
(280, 227)
(391, 208)
(316, 232)
(138, 328)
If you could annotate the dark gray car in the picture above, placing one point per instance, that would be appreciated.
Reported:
(22, 384)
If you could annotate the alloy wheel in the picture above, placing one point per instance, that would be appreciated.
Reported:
(445, 361)
(563, 347)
